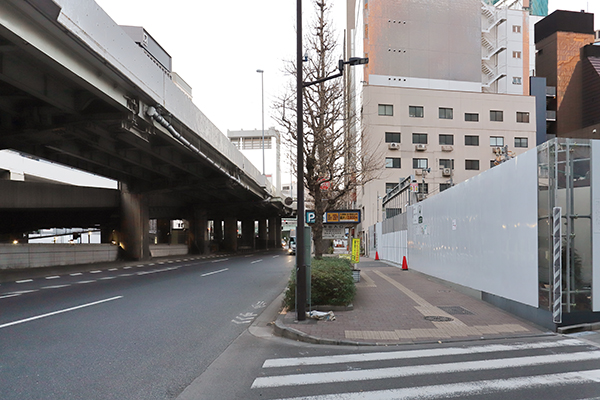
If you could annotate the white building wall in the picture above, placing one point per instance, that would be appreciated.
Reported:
(483, 233)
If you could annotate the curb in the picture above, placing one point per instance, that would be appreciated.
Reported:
(594, 326)
(284, 331)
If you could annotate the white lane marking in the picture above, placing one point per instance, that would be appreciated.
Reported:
(256, 261)
(86, 281)
(95, 272)
(113, 269)
(10, 295)
(141, 265)
(215, 272)
(106, 278)
(403, 355)
(58, 312)
(127, 267)
(161, 262)
(466, 388)
(22, 291)
(126, 275)
(53, 277)
(170, 262)
(24, 281)
(275, 256)
(76, 274)
(55, 286)
(399, 372)
(155, 271)
(224, 259)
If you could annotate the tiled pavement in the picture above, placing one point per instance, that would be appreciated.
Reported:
(395, 306)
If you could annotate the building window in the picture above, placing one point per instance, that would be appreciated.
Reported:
(496, 115)
(493, 163)
(424, 188)
(386, 109)
(446, 139)
(496, 141)
(254, 143)
(419, 163)
(472, 117)
(521, 142)
(446, 163)
(472, 164)
(392, 162)
(516, 54)
(392, 137)
(389, 187)
(416, 111)
(522, 116)
(419, 138)
(516, 28)
(446, 113)
(471, 140)
(444, 186)
(516, 80)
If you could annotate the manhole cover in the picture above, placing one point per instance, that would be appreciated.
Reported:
(436, 318)
(455, 310)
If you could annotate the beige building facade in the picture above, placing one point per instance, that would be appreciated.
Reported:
(439, 137)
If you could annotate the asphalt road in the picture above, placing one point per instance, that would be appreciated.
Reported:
(137, 332)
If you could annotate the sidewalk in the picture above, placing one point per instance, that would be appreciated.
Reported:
(393, 306)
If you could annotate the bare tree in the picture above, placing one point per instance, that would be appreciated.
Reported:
(330, 177)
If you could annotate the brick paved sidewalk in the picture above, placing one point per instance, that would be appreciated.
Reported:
(395, 306)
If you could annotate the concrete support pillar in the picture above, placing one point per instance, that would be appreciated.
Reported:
(218, 233)
(248, 234)
(163, 231)
(230, 234)
(273, 234)
(134, 235)
(262, 234)
(278, 228)
(198, 233)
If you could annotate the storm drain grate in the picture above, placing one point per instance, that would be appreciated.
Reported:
(436, 318)
(456, 310)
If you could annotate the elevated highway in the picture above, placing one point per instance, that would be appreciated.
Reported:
(76, 89)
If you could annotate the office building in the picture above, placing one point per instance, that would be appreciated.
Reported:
(445, 90)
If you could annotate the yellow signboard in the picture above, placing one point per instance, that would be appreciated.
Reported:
(355, 250)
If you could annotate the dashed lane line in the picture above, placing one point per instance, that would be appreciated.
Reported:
(10, 295)
(83, 282)
(53, 277)
(256, 261)
(216, 261)
(54, 286)
(24, 281)
(113, 269)
(21, 321)
(95, 272)
(215, 272)
(76, 274)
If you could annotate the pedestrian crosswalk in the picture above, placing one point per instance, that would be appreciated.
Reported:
(563, 367)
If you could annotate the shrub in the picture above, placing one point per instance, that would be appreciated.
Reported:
(332, 283)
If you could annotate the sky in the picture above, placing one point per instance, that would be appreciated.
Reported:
(217, 46)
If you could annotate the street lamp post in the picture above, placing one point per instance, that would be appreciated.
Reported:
(262, 85)
(301, 291)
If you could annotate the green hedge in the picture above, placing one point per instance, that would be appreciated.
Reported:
(332, 283)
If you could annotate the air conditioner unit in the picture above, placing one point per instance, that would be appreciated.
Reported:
(447, 172)
(447, 148)
(394, 146)
(420, 196)
(421, 147)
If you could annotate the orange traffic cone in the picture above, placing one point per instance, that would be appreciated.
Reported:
(376, 256)
(404, 264)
